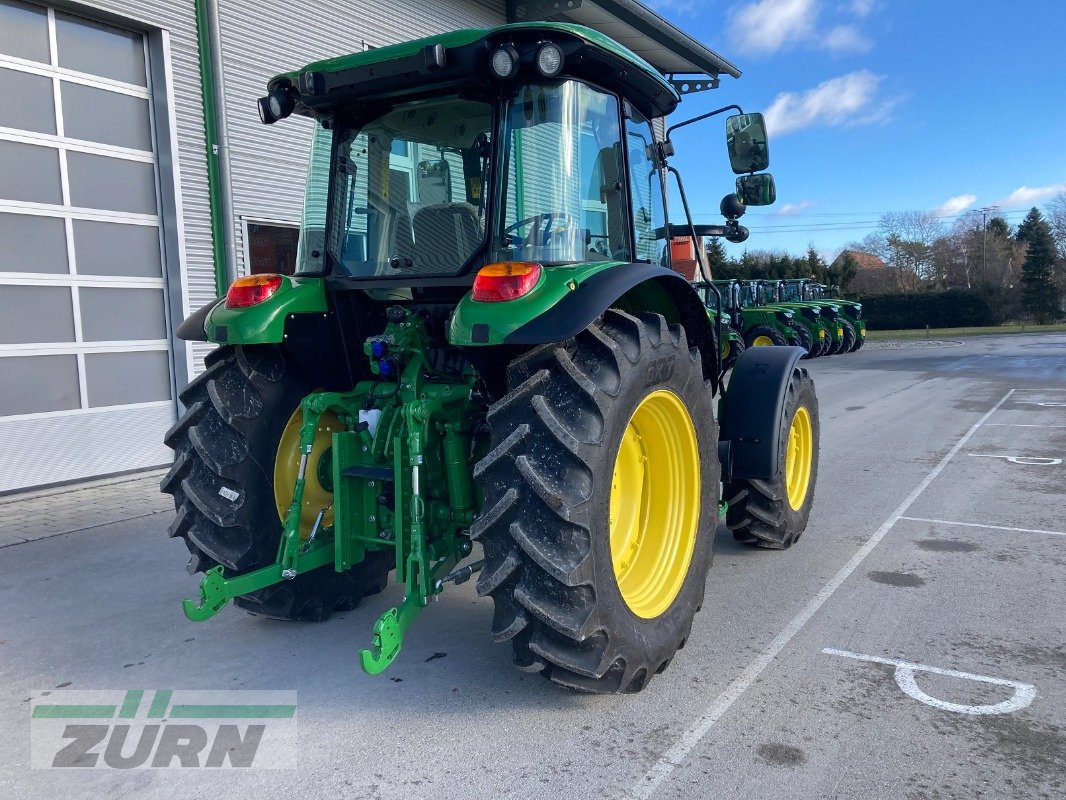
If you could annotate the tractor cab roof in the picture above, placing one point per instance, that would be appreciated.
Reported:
(460, 57)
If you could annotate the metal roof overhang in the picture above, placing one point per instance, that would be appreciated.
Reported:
(667, 48)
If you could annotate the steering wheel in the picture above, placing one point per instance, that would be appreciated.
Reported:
(541, 226)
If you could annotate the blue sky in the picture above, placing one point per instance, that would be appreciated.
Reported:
(880, 105)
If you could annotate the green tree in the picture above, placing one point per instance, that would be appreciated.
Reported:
(813, 265)
(717, 258)
(1040, 295)
(842, 271)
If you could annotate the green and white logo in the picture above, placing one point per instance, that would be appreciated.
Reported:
(163, 728)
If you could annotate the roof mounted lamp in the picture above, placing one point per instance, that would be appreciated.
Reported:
(277, 105)
(549, 59)
(504, 62)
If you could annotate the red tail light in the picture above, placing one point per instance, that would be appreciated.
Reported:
(251, 289)
(505, 280)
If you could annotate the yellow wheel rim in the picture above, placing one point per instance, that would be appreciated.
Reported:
(655, 504)
(763, 341)
(799, 456)
(287, 466)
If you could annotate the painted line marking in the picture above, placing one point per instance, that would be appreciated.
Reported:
(1022, 425)
(701, 726)
(1045, 403)
(1025, 461)
(905, 679)
(979, 525)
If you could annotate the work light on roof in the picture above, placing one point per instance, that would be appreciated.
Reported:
(505, 62)
(549, 59)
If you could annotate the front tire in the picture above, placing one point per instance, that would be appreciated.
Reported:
(806, 341)
(226, 448)
(736, 349)
(764, 336)
(850, 338)
(596, 434)
(774, 513)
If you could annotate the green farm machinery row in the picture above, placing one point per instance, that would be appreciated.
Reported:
(486, 366)
(784, 313)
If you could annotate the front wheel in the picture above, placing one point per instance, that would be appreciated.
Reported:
(734, 349)
(764, 336)
(600, 506)
(806, 341)
(774, 513)
(850, 338)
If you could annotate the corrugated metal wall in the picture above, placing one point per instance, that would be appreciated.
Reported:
(268, 164)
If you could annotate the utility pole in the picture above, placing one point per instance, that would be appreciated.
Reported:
(984, 235)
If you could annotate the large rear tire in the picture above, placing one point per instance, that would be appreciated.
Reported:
(226, 448)
(600, 503)
(774, 513)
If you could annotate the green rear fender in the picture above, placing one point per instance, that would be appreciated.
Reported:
(263, 323)
(567, 299)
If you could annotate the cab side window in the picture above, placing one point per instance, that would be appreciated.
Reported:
(646, 191)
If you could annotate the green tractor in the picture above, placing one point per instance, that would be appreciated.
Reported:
(484, 365)
(756, 325)
(732, 338)
(816, 331)
(804, 292)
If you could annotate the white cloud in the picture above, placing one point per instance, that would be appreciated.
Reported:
(1025, 196)
(792, 209)
(851, 99)
(846, 39)
(954, 205)
(862, 8)
(768, 25)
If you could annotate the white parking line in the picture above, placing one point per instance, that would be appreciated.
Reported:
(701, 726)
(979, 525)
(1023, 425)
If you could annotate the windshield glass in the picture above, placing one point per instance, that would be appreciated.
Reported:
(407, 190)
(792, 292)
(564, 194)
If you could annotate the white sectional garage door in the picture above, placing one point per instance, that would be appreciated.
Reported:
(85, 372)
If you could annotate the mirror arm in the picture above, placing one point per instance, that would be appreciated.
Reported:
(668, 146)
(705, 270)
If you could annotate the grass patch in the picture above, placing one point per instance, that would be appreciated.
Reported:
(943, 333)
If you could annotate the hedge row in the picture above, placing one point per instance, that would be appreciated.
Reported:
(951, 308)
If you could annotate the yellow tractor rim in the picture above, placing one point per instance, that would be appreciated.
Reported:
(655, 504)
(799, 456)
(319, 468)
(763, 341)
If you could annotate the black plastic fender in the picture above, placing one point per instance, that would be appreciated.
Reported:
(580, 308)
(192, 329)
(751, 409)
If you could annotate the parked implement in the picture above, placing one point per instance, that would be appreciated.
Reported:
(484, 345)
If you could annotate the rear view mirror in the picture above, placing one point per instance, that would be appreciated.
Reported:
(745, 136)
(434, 182)
(757, 190)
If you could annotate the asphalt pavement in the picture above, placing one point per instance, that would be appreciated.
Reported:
(911, 645)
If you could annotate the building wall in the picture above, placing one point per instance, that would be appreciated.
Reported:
(96, 435)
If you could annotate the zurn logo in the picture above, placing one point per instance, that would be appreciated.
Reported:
(164, 728)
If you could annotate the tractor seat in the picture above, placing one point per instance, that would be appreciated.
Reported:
(445, 236)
